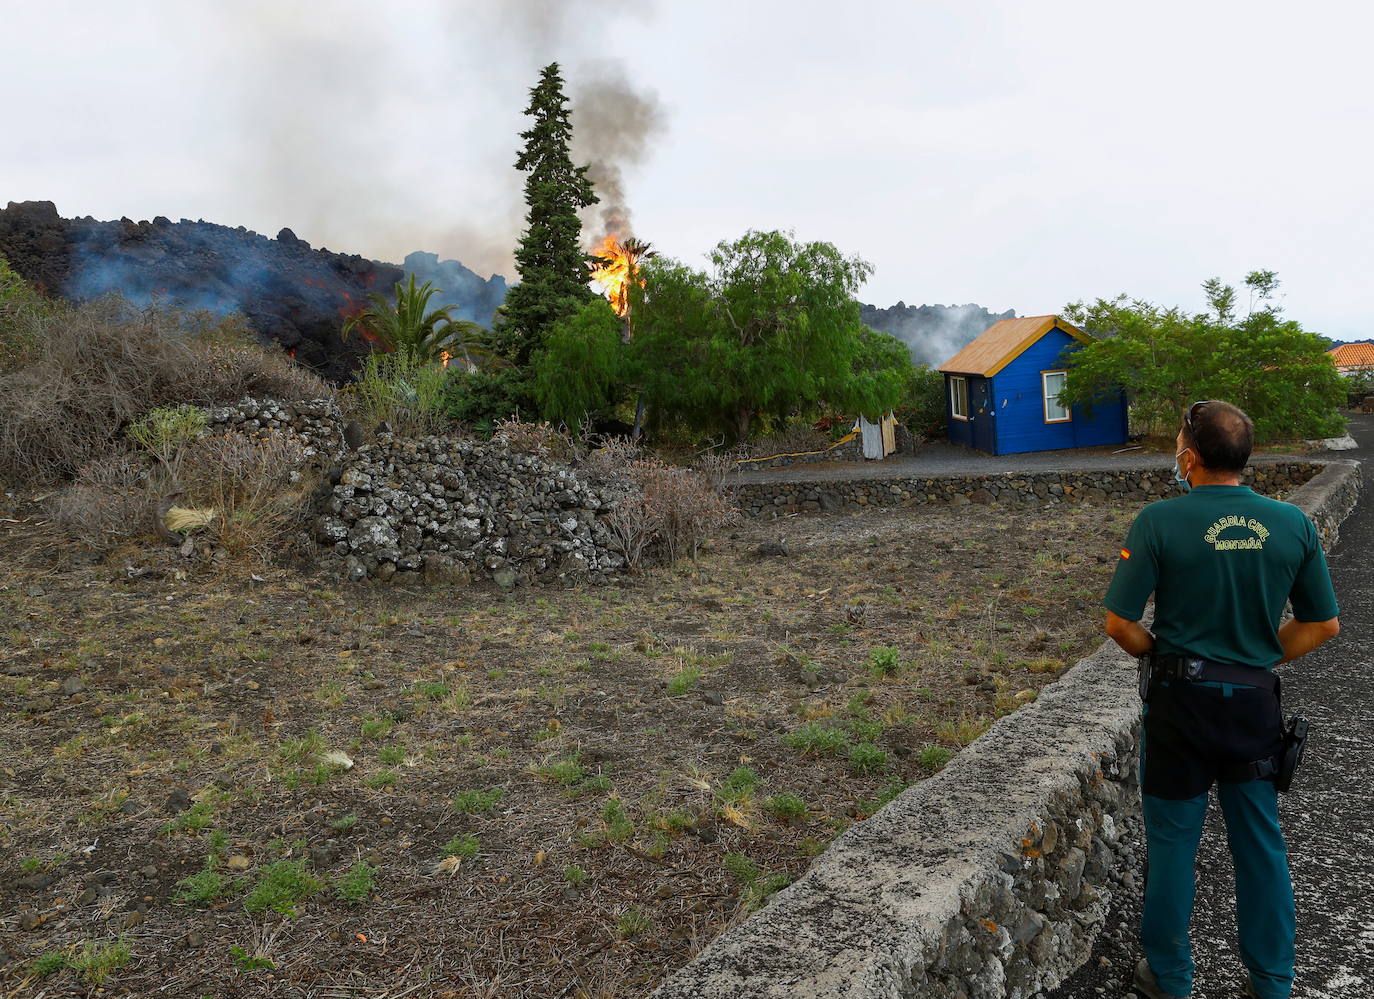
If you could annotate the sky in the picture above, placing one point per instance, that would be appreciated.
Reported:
(1015, 154)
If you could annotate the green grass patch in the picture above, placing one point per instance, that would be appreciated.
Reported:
(281, 887)
(473, 801)
(465, 845)
(813, 737)
(357, 883)
(684, 681)
(866, 758)
(785, 806)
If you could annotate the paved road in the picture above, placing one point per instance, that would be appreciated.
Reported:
(1328, 817)
(942, 458)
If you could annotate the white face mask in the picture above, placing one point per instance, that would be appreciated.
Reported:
(1179, 477)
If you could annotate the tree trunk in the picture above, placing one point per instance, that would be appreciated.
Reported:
(742, 417)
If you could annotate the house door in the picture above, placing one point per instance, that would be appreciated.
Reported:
(983, 414)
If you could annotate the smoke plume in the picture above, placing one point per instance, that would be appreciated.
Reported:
(933, 333)
(614, 126)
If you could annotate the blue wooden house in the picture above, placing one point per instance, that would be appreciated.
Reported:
(1002, 391)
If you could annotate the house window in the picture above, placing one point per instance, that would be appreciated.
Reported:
(1052, 383)
(958, 396)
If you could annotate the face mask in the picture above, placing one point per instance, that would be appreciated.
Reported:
(1179, 477)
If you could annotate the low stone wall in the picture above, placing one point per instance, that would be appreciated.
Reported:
(448, 510)
(773, 499)
(317, 423)
(989, 880)
(850, 450)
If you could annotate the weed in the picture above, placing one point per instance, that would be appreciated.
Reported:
(469, 802)
(619, 826)
(815, 738)
(895, 786)
(884, 661)
(281, 886)
(740, 785)
(343, 823)
(866, 758)
(356, 883)
(391, 755)
(194, 819)
(93, 962)
(200, 888)
(381, 779)
(432, 690)
(377, 726)
(934, 757)
(785, 806)
(633, 923)
(568, 772)
(684, 681)
(962, 730)
(755, 895)
(464, 845)
(741, 868)
(303, 751)
(250, 962)
(496, 674)
(575, 876)
(331, 693)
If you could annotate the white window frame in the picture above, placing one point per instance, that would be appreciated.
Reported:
(956, 383)
(1045, 397)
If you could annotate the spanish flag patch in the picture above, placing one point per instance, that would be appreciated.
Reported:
(1126, 553)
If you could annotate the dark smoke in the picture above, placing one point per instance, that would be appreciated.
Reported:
(933, 333)
(614, 127)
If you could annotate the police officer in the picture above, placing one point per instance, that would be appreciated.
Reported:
(1221, 562)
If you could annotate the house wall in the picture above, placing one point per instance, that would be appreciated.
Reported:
(1019, 402)
(959, 431)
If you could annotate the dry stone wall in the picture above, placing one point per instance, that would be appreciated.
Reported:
(991, 879)
(318, 424)
(773, 499)
(448, 510)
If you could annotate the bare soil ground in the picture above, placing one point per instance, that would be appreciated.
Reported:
(553, 793)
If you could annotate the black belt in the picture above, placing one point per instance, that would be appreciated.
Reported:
(1168, 667)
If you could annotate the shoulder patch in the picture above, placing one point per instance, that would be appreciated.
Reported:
(1126, 553)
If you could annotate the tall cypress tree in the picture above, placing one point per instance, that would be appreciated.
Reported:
(550, 258)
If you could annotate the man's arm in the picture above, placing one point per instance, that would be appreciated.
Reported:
(1301, 637)
(1131, 636)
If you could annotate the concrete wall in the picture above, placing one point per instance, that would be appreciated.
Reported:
(989, 880)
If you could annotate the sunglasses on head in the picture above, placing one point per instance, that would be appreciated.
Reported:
(1193, 410)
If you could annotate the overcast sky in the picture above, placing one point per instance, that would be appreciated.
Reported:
(1012, 153)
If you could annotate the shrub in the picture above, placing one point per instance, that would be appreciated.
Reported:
(793, 437)
(673, 511)
(404, 389)
(255, 487)
(87, 371)
(480, 398)
(540, 439)
(166, 432)
(112, 499)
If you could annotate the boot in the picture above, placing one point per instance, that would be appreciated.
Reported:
(1146, 984)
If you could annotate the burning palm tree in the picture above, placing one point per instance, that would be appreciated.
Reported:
(617, 264)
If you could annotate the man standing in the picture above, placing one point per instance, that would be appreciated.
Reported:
(1221, 562)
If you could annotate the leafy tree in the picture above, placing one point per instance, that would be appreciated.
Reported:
(550, 258)
(579, 373)
(480, 398)
(1167, 358)
(773, 329)
(412, 327)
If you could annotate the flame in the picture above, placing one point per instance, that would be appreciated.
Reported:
(617, 264)
(445, 357)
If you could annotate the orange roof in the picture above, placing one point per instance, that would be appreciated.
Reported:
(1352, 355)
(1004, 341)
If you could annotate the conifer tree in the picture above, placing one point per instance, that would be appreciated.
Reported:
(550, 258)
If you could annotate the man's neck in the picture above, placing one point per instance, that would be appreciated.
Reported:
(1204, 477)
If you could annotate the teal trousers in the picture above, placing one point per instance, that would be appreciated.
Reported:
(1265, 913)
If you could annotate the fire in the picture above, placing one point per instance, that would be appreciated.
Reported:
(445, 357)
(617, 265)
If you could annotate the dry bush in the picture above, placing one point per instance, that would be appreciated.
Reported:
(256, 487)
(610, 463)
(791, 438)
(103, 364)
(113, 499)
(542, 439)
(673, 510)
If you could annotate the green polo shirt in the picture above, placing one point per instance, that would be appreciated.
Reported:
(1221, 561)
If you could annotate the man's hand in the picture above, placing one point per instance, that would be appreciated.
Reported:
(1301, 637)
(1129, 635)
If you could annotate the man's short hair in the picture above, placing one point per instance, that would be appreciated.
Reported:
(1221, 433)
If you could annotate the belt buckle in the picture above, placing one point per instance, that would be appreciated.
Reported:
(1192, 669)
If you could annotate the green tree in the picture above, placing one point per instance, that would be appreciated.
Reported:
(550, 258)
(411, 326)
(771, 330)
(579, 373)
(1167, 358)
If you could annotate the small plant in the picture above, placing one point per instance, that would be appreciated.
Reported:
(684, 681)
(200, 888)
(619, 826)
(633, 923)
(741, 868)
(382, 779)
(356, 884)
(433, 690)
(884, 661)
(166, 431)
(377, 726)
(302, 752)
(934, 757)
(343, 823)
(282, 885)
(740, 785)
(470, 802)
(250, 962)
(45, 964)
(464, 845)
(866, 758)
(785, 806)
(895, 786)
(575, 876)
(391, 755)
(819, 739)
